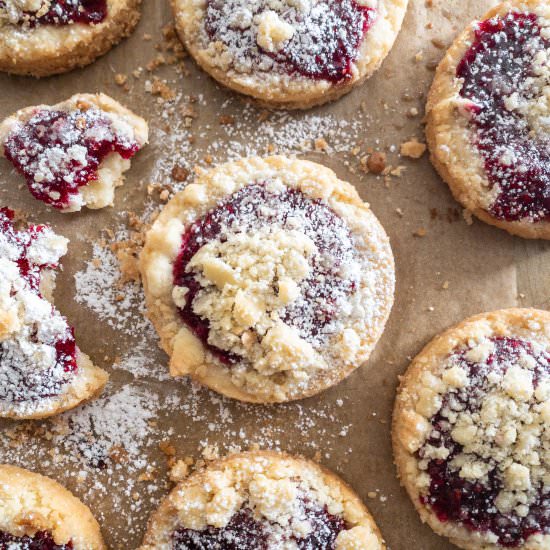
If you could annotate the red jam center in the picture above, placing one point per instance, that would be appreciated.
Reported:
(244, 532)
(65, 12)
(24, 381)
(40, 541)
(255, 206)
(57, 151)
(472, 504)
(497, 63)
(325, 43)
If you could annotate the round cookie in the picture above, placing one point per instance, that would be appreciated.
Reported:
(293, 53)
(268, 280)
(74, 153)
(37, 512)
(488, 118)
(470, 431)
(42, 370)
(46, 37)
(262, 499)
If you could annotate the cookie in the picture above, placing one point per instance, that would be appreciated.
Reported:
(268, 279)
(74, 153)
(262, 499)
(45, 37)
(36, 513)
(470, 431)
(42, 370)
(292, 53)
(488, 118)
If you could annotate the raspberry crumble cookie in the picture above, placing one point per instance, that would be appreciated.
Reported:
(74, 153)
(489, 118)
(36, 513)
(268, 280)
(470, 432)
(289, 53)
(42, 370)
(262, 500)
(45, 37)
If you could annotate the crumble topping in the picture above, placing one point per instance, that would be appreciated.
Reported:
(71, 158)
(505, 95)
(245, 280)
(37, 347)
(486, 451)
(266, 280)
(30, 13)
(317, 39)
(260, 503)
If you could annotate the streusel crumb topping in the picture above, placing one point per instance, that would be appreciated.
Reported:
(486, 452)
(317, 39)
(505, 78)
(30, 13)
(266, 504)
(266, 278)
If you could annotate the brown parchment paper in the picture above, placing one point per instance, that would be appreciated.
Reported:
(348, 427)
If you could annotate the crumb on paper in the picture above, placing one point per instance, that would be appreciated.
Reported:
(420, 232)
(320, 144)
(376, 162)
(468, 216)
(413, 148)
(179, 173)
(179, 471)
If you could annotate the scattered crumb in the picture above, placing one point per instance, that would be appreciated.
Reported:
(420, 232)
(413, 149)
(376, 162)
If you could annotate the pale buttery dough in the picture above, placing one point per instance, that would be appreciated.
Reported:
(257, 286)
(273, 486)
(452, 137)
(501, 434)
(31, 503)
(44, 49)
(243, 57)
(124, 125)
(33, 381)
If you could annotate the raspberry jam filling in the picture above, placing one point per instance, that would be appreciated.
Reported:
(65, 12)
(22, 375)
(58, 152)
(324, 45)
(473, 503)
(244, 531)
(40, 541)
(516, 158)
(253, 207)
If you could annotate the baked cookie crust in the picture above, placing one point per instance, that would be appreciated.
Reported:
(451, 137)
(270, 483)
(31, 503)
(36, 343)
(125, 126)
(280, 363)
(275, 88)
(45, 50)
(513, 404)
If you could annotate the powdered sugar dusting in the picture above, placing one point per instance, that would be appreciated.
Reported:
(98, 288)
(317, 40)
